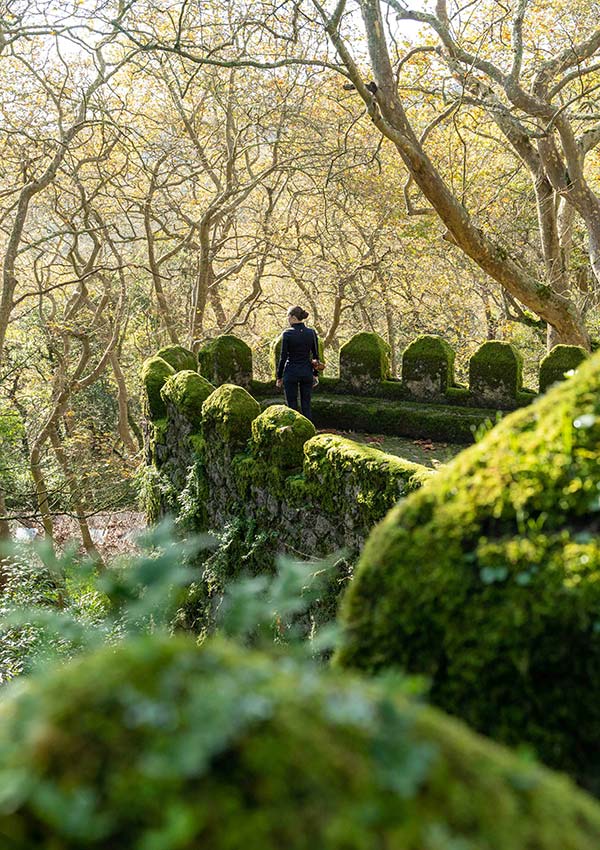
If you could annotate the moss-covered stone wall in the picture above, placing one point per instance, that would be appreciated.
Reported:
(427, 374)
(214, 455)
(487, 582)
(424, 403)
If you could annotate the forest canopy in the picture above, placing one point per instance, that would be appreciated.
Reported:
(174, 171)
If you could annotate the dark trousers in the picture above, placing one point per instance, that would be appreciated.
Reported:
(291, 384)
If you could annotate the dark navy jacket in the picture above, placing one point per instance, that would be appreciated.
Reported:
(298, 347)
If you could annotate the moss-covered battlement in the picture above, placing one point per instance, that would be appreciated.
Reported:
(487, 581)
(425, 402)
(214, 455)
(427, 372)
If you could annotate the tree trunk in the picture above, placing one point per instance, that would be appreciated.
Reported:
(388, 115)
(77, 503)
(123, 424)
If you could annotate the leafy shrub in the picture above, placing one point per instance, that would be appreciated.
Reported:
(243, 560)
(58, 606)
(160, 745)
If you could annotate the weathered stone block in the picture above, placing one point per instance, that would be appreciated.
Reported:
(561, 359)
(155, 372)
(187, 391)
(227, 415)
(279, 435)
(364, 362)
(496, 374)
(178, 357)
(226, 360)
(428, 367)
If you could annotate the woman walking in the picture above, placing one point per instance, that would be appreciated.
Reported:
(296, 372)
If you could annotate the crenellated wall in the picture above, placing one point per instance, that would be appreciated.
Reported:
(425, 401)
(213, 456)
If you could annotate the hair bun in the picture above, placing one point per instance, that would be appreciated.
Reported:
(304, 315)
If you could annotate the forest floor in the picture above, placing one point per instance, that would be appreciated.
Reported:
(427, 452)
(114, 532)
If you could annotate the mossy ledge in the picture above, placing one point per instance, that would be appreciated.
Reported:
(488, 582)
(219, 747)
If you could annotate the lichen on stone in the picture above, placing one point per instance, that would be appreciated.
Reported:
(364, 361)
(496, 374)
(428, 367)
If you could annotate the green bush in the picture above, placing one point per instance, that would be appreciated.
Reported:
(160, 745)
(487, 580)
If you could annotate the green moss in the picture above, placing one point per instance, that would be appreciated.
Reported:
(496, 374)
(428, 367)
(346, 476)
(193, 499)
(562, 358)
(278, 436)
(458, 395)
(178, 357)
(187, 391)
(226, 360)
(228, 413)
(403, 419)
(159, 431)
(364, 361)
(155, 372)
(197, 443)
(488, 581)
(158, 744)
(394, 390)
